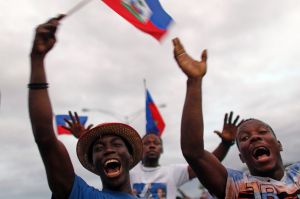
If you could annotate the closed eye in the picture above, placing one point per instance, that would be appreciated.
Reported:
(98, 147)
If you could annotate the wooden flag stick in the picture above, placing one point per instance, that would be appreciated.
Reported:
(77, 7)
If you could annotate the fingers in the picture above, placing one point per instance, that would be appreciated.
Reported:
(77, 117)
(240, 122)
(225, 118)
(228, 120)
(72, 117)
(68, 122)
(89, 127)
(204, 55)
(230, 117)
(236, 119)
(60, 16)
(66, 128)
(178, 48)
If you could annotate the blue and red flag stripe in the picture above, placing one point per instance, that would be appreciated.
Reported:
(154, 121)
(147, 15)
(60, 122)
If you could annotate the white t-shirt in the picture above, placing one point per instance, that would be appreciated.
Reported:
(158, 182)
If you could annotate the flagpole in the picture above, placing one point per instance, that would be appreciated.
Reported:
(145, 87)
(77, 7)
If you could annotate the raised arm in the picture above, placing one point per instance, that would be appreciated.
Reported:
(227, 135)
(211, 173)
(59, 169)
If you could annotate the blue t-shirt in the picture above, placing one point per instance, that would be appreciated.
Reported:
(81, 190)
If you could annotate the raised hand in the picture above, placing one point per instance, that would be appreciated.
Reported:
(230, 127)
(45, 36)
(192, 68)
(75, 127)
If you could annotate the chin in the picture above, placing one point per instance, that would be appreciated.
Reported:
(265, 170)
(114, 183)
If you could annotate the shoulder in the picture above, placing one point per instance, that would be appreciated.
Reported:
(235, 174)
(293, 169)
(81, 189)
(294, 166)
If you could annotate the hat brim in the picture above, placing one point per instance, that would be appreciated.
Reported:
(124, 131)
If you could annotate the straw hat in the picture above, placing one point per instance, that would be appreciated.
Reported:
(124, 131)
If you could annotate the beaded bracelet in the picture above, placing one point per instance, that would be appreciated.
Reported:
(37, 86)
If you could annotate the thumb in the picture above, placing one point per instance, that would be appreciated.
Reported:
(218, 133)
(204, 55)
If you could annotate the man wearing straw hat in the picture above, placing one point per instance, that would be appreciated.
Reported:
(109, 150)
(150, 178)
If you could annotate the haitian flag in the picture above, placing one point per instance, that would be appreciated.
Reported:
(146, 15)
(154, 122)
(60, 122)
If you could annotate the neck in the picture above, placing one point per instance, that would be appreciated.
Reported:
(150, 163)
(122, 187)
(276, 174)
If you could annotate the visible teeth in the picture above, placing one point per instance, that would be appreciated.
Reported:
(110, 161)
(112, 168)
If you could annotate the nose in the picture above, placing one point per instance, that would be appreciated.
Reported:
(255, 138)
(152, 145)
(109, 150)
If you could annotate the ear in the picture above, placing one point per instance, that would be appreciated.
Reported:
(280, 145)
(241, 158)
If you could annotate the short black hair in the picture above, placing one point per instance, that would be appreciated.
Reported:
(147, 134)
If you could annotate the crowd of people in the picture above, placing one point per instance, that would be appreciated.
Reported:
(129, 166)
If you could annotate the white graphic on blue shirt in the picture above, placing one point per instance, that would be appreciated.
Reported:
(150, 190)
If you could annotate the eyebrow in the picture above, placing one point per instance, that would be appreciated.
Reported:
(99, 141)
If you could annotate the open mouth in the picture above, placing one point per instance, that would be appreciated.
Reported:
(112, 168)
(261, 153)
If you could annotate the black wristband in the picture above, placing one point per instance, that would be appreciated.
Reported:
(228, 143)
(37, 86)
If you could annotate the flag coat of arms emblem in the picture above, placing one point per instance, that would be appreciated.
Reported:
(146, 15)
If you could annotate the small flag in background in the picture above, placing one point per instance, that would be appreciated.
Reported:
(60, 122)
(146, 15)
(154, 121)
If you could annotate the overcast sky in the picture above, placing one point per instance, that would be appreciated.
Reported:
(100, 62)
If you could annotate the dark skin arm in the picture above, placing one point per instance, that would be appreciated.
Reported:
(59, 169)
(75, 127)
(209, 170)
(227, 136)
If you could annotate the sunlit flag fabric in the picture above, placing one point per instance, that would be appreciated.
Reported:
(154, 121)
(146, 15)
(60, 122)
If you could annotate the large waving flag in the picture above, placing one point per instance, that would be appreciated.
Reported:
(146, 15)
(60, 122)
(155, 123)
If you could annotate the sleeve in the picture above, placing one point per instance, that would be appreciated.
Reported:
(81, 190)
(234, 179)
(180, 173)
